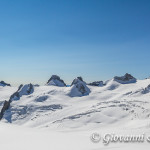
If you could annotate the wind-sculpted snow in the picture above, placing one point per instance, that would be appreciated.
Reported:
(140, 91)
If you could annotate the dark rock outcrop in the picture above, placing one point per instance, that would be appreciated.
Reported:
(5, 107)
(22, 90)
(36, 85)
(127, 78)
(146, 90)
(79, 88)
(56, 81)
(2, 83)
(77, 80)
(97, 83)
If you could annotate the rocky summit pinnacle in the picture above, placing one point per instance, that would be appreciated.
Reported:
(56, 81)
(127, 78)
(78, 79)
(79, 88)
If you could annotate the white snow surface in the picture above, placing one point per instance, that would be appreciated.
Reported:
(50, 119)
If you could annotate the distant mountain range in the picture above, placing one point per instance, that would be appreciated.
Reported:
(119, 100)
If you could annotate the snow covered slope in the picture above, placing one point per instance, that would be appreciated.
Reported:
(110, 105)
(21, 138)
(67, 122)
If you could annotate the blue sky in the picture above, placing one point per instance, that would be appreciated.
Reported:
(95, 39)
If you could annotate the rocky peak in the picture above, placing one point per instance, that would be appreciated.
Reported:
(79, 88)
(56, 81)
(26, 89)
(77, 80)
(2, 83)
(127, 78)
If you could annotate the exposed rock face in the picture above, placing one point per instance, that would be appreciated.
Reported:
(127, 78)
(56, 81)
(146, 90)
(79, 88)
(77, 80)
(26, 89)
(97, 83)
(5, 107)
(22, 90)
(2, 83)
